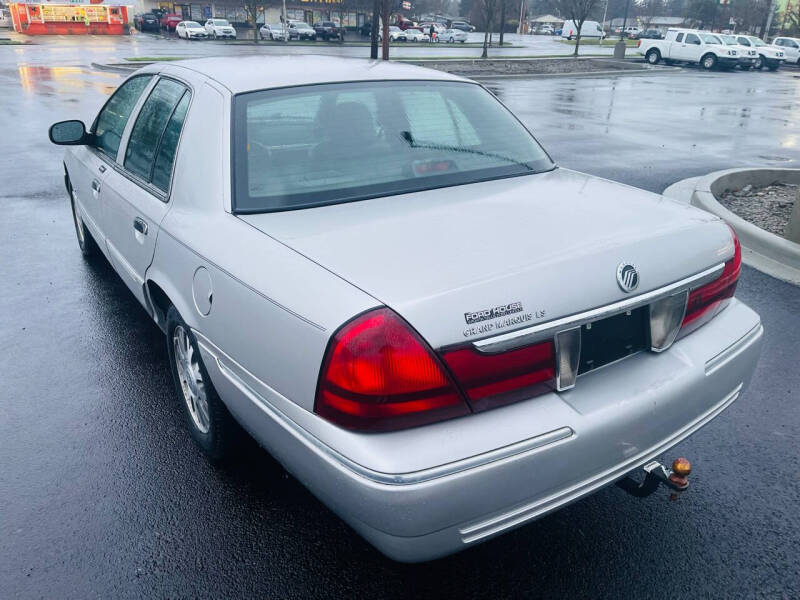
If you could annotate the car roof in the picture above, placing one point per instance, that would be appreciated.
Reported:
(249, 73)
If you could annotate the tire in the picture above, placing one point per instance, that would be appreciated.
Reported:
(708, 62)
(86, 242)
(210, 424)
(452, 40)
(653, 56)
(759, 64)
(214, 35)
(772, 68)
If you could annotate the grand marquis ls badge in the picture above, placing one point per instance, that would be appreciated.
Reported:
(627, 277)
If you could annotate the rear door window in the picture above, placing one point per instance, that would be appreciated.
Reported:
(679, 38)
(113, 118)
(153, 124)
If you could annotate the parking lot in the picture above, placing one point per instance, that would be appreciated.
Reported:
(104, 494)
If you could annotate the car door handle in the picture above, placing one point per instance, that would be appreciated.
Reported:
(102, 168)
(95, 185)
(140, 225)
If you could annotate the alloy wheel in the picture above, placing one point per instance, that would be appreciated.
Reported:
(191, 378)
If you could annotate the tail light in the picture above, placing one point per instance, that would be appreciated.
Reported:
(706, 301)
(379, 374)
(491, 380)
(639, 44)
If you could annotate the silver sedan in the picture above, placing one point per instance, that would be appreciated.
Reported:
(376, 271)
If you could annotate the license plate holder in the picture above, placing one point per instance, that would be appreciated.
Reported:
(614, 338)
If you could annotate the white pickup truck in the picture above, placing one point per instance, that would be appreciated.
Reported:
(691, 46)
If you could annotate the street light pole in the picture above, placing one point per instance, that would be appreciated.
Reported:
(619, 48)
(605, 12)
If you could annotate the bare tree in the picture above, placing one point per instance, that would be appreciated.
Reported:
(488, 9)
(251, 9)
(576, 11)
(649, 11)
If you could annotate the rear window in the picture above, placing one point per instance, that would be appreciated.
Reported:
(323, 144)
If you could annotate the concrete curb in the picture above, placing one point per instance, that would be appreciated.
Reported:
(765, 251)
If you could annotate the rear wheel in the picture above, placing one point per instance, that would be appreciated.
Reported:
(653, 56)
(708, 62)
(759, 64)
(209, 422)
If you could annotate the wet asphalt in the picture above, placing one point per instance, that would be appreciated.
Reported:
(103, 494)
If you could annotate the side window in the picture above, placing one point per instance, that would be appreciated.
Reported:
(779, 42)
(111, 121)
(692, 39)
(162, 169)
(679, 38)
(150, 127)
(792, 43)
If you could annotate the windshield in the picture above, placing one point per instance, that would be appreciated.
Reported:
(729, 40)
(302, 26)
(324, 144)
(710, 39)
(220, 22)
(756, 41)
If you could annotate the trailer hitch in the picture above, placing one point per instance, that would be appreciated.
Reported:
(676, 479)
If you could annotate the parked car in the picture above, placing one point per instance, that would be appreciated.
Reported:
(328, 30)
(543, 30)
(191, 30)
(632, 32)
(300, 30)
(365, 30)
(462, 25)
(589, 30)
(453, 35)
(689, 46)
(438, 28)
(768, 56)
(395, 34)
(337, 291)
(651, 34)
(415, 35)
(274, 31)
(747, 54)
(790, 47)
(146, 22)
(169, 21)
(220, 28)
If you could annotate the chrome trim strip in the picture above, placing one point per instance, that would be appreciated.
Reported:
(515, 517)
(732, 351)
(519, 337)
(525, 446)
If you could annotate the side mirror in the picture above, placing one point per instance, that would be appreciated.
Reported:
(68, 133)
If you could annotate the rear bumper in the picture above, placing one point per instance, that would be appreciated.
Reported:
(615, 420)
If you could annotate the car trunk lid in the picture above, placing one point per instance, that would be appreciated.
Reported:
(469, 262)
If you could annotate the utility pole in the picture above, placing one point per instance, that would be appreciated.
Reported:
(520, 28)
(285, 24)
(373, 34)
(385, 46)
(605, 12)
(765, 33)
(619, 48)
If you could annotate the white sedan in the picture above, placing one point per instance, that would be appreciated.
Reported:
(377, 271)
(415, 35)
(452, 35)
(220, 28)
(274, 31)
(191, 30)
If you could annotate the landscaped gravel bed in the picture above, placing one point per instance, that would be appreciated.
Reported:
(766, 207)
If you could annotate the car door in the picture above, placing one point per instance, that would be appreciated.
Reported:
(209, 27)
(136, 196)
(791, 49)
(89, 165)
(689, 49)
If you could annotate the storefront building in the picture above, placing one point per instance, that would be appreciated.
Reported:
(66, 17)
(300, 10)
